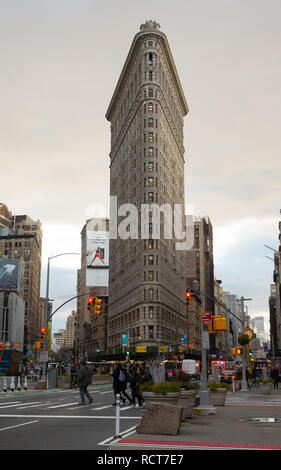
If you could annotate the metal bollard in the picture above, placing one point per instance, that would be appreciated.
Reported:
(12, 384)
(25, 383)
(19, 384)
(117, 421)
(5, 385)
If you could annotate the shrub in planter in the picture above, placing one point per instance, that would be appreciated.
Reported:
(162, 388)
(189, 386)
(218, 392)
(167, 392)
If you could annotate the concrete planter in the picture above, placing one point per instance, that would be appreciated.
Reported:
(218, 397)
(171, 398)
(187, 401)
(266, 389)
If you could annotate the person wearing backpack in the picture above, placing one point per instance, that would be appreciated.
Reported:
(120, 378)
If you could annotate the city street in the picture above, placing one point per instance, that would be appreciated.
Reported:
(53, 419)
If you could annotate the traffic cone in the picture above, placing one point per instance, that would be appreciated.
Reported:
(5, 385)
(12, 384)
(25, 383)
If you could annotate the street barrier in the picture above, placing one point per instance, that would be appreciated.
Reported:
(12, 384)
(117, 421)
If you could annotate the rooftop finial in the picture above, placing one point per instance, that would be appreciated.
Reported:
(150, 25)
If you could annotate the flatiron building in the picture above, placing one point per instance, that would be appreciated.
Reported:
(146, 113)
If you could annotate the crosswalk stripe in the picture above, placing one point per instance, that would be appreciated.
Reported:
(9, 406)
(65, 404)
(102, 407)
(10, 403)
(30, 405)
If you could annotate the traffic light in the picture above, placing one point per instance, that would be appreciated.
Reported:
(90, 304)
(188, 297)
(237, 351)
(43, 333)
(97, 309)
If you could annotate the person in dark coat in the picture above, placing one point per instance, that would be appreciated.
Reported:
(119, 386)
(84, 379)
(275, 377)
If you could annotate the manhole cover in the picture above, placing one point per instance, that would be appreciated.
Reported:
(262, 420)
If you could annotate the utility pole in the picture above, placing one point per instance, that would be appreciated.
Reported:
(205, 406)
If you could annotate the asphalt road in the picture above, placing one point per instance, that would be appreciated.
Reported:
(54, 420)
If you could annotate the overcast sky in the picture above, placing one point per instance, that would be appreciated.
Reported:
(60, 61)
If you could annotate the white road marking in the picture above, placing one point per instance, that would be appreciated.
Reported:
(31, 405)
(10, 402)
(10, 406)
(65, 404)
(18, 425)
(109, 391)
(102, 407)
(123, 434)
(68, 416)
(126, 408)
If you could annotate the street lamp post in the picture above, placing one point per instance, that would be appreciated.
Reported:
(46, 314)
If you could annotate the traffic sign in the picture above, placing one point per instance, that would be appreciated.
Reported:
(206, 316)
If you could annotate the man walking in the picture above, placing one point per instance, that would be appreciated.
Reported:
(83, 381)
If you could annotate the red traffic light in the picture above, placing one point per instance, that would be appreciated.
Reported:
(188, 297)
(43, 330)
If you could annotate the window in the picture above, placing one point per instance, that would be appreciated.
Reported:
(150, 76)
(150, 92)
(150, 197)
(150, 275)
(150, 259)
(150, 58)
(150, 181)
(150, 107)
(150, 166)
(150, 151)
(150, 244)
(150, 43)
(150, 137)
(150, 122)
(150, 330)
(150, 297)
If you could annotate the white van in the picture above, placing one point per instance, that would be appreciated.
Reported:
(191, 367)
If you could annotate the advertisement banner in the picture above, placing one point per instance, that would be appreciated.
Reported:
(9, 273)
(97, 258)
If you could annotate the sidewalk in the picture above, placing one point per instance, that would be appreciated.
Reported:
(231, 428)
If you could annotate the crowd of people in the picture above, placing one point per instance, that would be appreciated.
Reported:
(137, 374)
